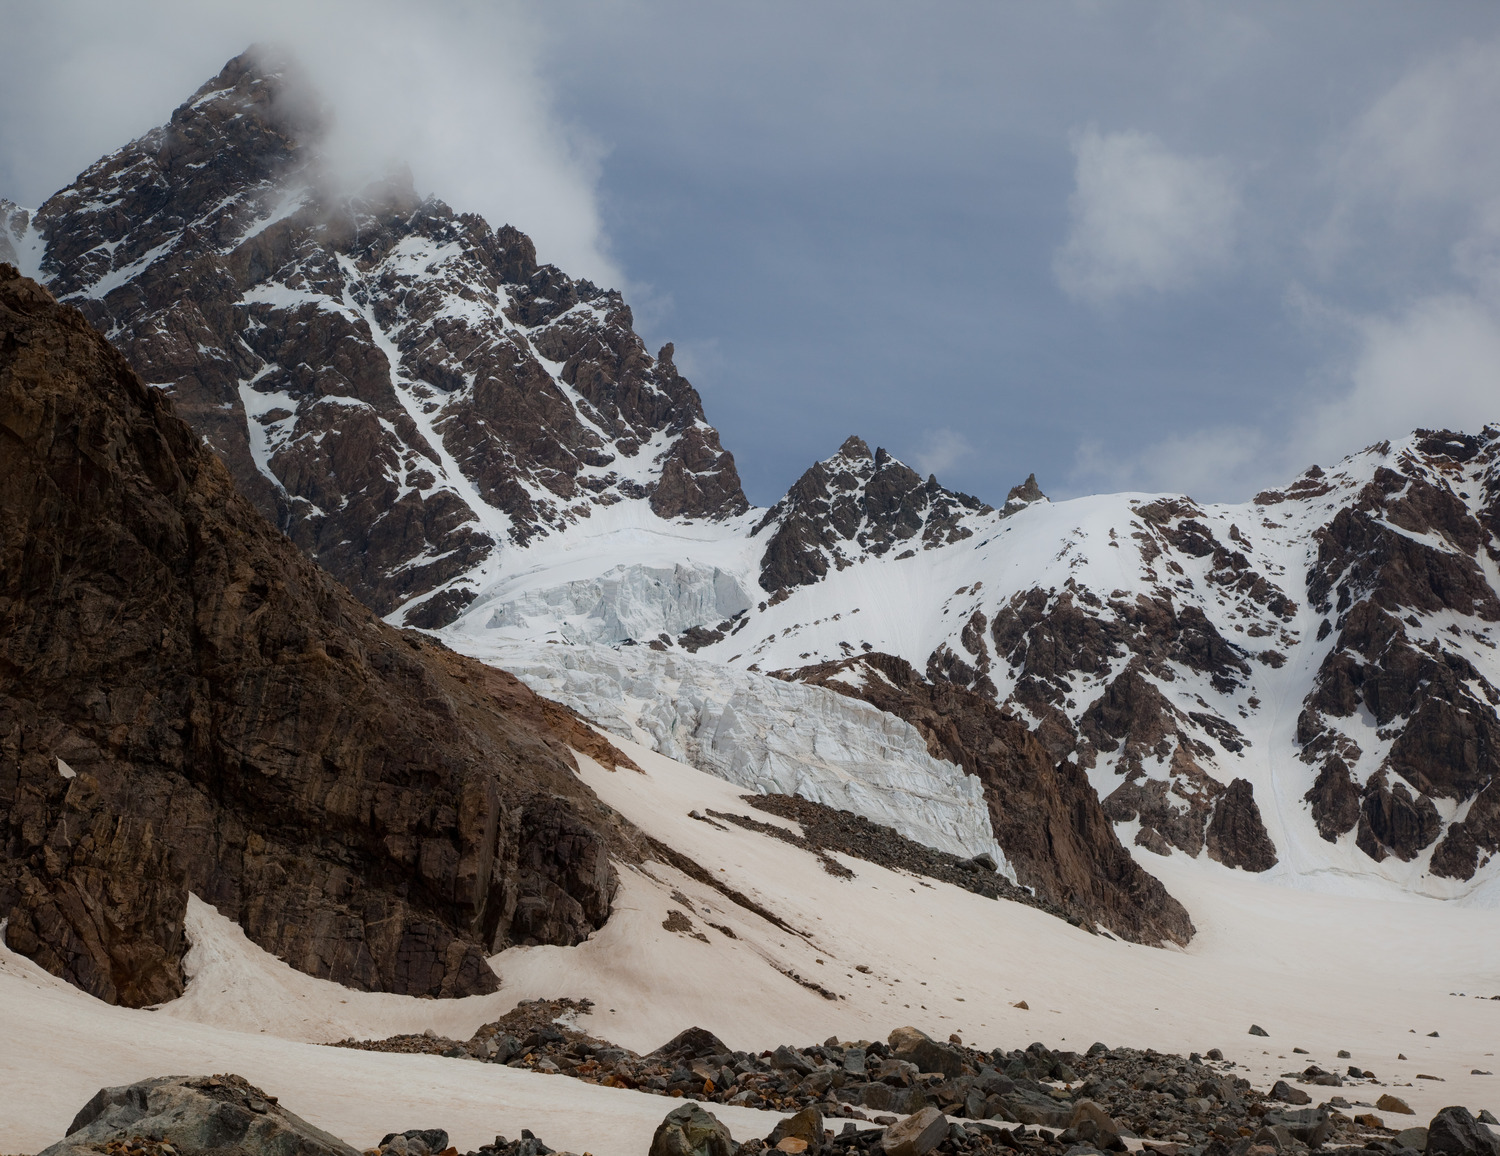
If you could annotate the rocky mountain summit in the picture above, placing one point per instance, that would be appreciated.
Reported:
(858, 505)
(189, 704)
(401, 388)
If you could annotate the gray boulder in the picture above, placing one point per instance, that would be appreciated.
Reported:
(1310, 1126)
(1455, 1132)
(197, 1114)
(806, 1125)
(917, 1047)
(692, 1131)
(916, 1135)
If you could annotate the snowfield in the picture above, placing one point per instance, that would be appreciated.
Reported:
(1369, 974)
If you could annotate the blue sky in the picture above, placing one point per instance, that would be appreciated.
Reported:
(1125, 245)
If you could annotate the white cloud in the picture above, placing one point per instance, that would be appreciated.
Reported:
(940, 451)
(1431, 136)
(1435, 365)
(450, 90)
(1425, 144)
(1143, 217)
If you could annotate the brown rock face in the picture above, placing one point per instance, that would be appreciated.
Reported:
(399, 387)
(1045, 815)
(187, 703)
(857, 504)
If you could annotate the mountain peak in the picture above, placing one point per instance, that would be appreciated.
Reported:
(855, 505)
(403, 390)
(1024, 494)
(854, 447)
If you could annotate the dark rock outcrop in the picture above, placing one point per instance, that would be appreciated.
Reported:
(1408, 546)
(380, 373)
(1236, 835)
(857, 504)
(1046, 817)
(187, 703)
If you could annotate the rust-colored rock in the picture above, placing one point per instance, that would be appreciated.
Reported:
(1407, 545)
(1236, 834)
(187, 703)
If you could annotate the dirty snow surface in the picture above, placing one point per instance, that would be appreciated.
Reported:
(1321, 972)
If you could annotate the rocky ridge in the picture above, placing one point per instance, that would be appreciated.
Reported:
(436, 416)
(188, 704)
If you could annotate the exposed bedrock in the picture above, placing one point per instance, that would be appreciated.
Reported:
(187, 703)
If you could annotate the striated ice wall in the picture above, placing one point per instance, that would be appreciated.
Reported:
(627, 602)
(764, 734)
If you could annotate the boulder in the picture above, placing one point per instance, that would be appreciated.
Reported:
(1390, 1103)
(415, 1141)
(1455, 1132)
(200, 1114)
(917, 1047)
(1310, 1126)
(916, 1135)
(788, 1059)
(692, 1131)
(1094, 1126)
(1287, 1094)
(806, 1126)
(692, 1044)
(1413, 1138)
(1257, 1030)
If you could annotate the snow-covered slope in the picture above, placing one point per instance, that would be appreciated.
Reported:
(1170, 648)
(1309, 968)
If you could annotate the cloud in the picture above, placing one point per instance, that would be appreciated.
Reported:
(940, 450)
(449, 89)
(1431, 136)
(1419, 161)
(1143, 218)
(1433, 365)
(1218, 464)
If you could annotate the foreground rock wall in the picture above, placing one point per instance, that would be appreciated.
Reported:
(187, 703)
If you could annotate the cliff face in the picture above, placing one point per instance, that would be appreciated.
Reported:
(187, 703)
(401, 388)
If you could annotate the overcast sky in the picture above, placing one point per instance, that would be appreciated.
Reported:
(1126, 245)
